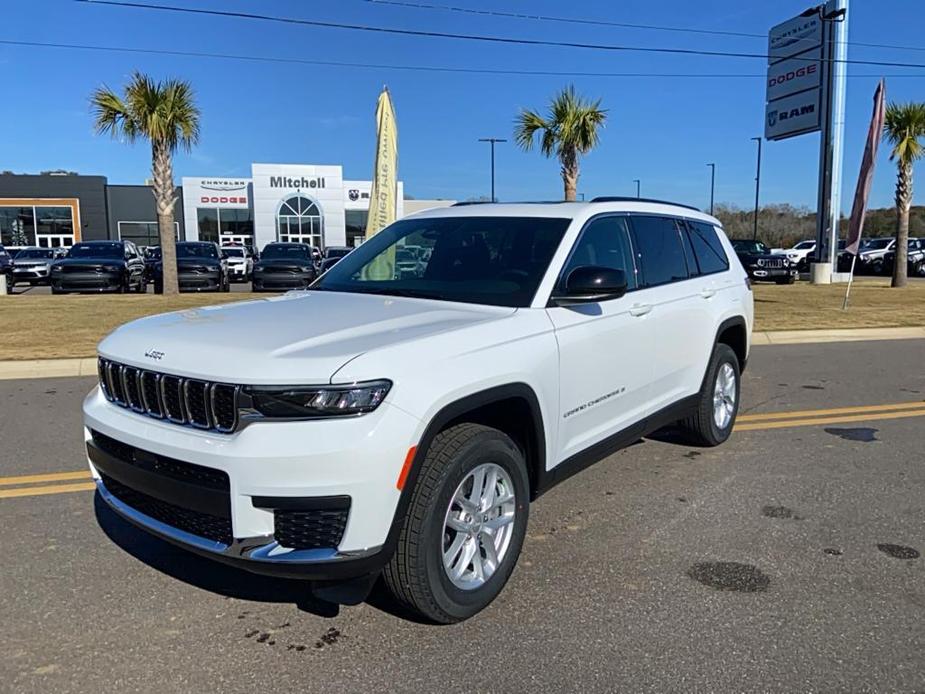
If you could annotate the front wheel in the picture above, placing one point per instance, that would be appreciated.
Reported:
(465, 525)
(786, 280)
(711, 423)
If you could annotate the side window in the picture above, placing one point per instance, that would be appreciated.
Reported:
(707, 248)
(604, 242)
(659, 250)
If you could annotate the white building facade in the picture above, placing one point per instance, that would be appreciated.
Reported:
(305, 203)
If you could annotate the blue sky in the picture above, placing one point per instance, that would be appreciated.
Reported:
(661, 130)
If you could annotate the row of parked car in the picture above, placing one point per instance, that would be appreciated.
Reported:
(876, 256)
(120, 266)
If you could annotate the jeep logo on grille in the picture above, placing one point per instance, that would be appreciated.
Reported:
(154, 354)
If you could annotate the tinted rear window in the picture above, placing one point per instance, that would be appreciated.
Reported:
(659, 249)
(707, 248)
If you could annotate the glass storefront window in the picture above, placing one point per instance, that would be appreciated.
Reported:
(299, 220)
(54, 221)
(208, 223)
(235, 222)
(356, 226)
(144, 234)
(17, 226)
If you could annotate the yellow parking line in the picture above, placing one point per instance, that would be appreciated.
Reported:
(797, 414)
(49, 489)
(786, 423)
(50, 477)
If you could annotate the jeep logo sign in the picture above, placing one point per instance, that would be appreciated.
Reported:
(792, 115)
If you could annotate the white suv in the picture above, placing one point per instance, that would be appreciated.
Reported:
(400, 423)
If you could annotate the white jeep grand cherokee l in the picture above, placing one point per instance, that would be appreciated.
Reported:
(400, 424)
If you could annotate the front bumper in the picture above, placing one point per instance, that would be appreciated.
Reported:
(764, 273)
(199, 281)
(269, 466)
(31, 275)
(87, 281)
(281, 280)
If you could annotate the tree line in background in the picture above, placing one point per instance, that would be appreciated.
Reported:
(783, 225)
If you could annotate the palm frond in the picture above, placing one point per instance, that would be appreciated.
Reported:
(904, 128)
(527, 124)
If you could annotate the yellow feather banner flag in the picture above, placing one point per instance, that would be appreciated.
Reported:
(383, 197)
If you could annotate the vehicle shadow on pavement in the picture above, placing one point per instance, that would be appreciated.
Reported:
(206, 573)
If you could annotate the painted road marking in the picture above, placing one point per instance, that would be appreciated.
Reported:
(37, 485)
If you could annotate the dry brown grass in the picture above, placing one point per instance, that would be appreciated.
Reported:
(49, 327)
(873, 304)
(52, 327)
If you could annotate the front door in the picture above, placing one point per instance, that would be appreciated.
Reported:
(605, 348)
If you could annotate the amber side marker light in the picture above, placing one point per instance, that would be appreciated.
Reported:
(406, 468)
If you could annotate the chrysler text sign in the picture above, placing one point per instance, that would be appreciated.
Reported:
(794, 37)
(795, 75)
(792, 115)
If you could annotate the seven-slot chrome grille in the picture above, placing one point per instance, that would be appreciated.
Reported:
(186, 401)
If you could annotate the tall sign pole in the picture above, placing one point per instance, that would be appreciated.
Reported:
(835, 50)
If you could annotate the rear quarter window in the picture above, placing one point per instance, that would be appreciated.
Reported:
(709, 252)
(659, 249)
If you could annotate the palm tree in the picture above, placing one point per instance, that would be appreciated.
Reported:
(569, 130)
(164, 113)
(903, 125)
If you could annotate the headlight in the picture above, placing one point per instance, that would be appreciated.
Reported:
(56, 268)
(309, 402)
(112, 268)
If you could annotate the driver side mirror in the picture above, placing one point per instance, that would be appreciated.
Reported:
(591, 284)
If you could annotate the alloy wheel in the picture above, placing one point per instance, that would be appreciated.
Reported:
(724, 396)
(478, 526)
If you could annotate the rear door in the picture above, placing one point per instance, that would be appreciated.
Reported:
(605, 348)
(681, 302)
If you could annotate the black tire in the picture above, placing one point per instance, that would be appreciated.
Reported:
(158, 287)
(226, 285)
(55, 290)
(415, 575)
(700, 427)
(785, 280)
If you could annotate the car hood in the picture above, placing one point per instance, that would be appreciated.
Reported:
(300, 337)
(288, 262)
(198, 262)
(762, 256)
(89, 261)
(30, 262)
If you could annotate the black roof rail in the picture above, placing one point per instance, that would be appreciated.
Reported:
(618, 198)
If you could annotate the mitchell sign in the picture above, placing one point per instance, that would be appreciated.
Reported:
(299, 183)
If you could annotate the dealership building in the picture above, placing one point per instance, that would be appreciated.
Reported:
(305, 203)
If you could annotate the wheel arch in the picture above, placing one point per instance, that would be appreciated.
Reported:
(734, 333)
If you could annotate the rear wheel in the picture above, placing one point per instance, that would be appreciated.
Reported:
(785, 280)
(465, 525)
(711, 423)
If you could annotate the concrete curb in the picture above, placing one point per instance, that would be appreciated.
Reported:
(62, 368)
(804, 337)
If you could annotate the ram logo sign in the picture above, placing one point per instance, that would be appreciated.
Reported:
(792, 115)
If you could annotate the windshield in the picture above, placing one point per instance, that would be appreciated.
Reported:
(276, 252)
(802, 245)
(234, 252)
(336, 252)
(196, 250)
(96, 250)
(746, 246)
(35, 253)
(497, 261)
(876, 244)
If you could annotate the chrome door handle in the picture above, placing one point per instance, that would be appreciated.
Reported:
(640, 309)
(707, 293)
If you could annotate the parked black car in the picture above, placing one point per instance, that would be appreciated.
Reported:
(915, 262)
(762, 265)
(6, 266)
(332, 254)
(99, 266)
(201, 267)
(284, 266)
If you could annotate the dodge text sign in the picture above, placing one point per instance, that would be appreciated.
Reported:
(795, 75)
(792, 115)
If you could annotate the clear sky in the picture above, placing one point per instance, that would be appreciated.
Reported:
(662, 130)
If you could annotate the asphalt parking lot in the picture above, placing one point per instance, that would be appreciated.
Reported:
(785, 560)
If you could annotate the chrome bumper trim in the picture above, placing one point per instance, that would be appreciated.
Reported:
(260, 550)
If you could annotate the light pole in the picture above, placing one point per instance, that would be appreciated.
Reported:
(712, 184)
(757, 187)
(492, 141)
(637, 182)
